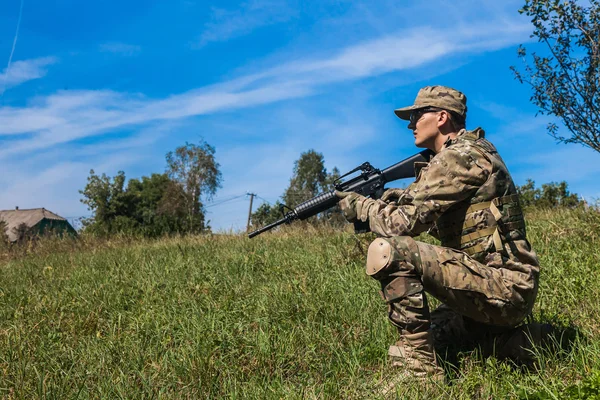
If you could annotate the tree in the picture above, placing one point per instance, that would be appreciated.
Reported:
(265, 214)
(108, 200)
(550, 195)
(144, 207)
(566, 81)
(157, 206)
(309, 178)
(195, 169)
(528, 193)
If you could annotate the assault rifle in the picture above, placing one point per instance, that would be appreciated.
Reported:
(368, 183)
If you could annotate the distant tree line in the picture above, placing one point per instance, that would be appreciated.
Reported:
(550, 195)
(159, 204)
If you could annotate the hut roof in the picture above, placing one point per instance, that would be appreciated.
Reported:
(30, 217)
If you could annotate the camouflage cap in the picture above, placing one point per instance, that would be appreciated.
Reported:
(436, 96)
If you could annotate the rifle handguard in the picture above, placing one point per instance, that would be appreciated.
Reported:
(317, 204)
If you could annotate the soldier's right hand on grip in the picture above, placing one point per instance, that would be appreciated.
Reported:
(392, 195)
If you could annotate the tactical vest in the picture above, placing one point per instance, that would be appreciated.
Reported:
(492, 217)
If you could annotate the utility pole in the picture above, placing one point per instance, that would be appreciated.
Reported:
(249, 210)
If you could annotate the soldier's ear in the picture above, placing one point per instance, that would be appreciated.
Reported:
(442, 117)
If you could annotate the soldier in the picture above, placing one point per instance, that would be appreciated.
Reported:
(485, 272)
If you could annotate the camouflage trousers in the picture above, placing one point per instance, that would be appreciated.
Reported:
(473, 294)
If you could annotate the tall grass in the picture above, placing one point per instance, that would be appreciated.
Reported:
(284, 315)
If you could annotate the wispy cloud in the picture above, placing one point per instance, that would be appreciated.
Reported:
(25, 70)
(228, 24)
(516, 123)
(59, 182)
(60, 177)
(71, 115)
(120, 48)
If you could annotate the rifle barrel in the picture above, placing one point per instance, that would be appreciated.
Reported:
(266, 228)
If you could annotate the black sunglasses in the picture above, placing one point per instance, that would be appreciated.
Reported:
(417, 114)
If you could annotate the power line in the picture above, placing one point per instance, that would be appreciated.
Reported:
(224, 201)
(263, 199)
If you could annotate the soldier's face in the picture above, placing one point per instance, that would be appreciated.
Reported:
(425, 129)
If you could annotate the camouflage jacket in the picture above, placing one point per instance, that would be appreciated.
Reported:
(465, 196)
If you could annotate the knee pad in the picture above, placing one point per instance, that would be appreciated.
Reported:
(389, 255)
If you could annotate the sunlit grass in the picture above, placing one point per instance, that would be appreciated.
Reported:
(284, 315)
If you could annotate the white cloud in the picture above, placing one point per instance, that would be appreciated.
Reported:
(23, 71)
(53, 178)
(56, 186)
(53, 187)
(72, 115)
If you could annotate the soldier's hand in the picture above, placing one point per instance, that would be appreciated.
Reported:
(392, 195)
(348, 204)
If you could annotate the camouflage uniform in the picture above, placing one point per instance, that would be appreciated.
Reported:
(484, 272)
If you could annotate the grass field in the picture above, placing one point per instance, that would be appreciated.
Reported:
(285, 315)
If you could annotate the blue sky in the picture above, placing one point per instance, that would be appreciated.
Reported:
(114, 85)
